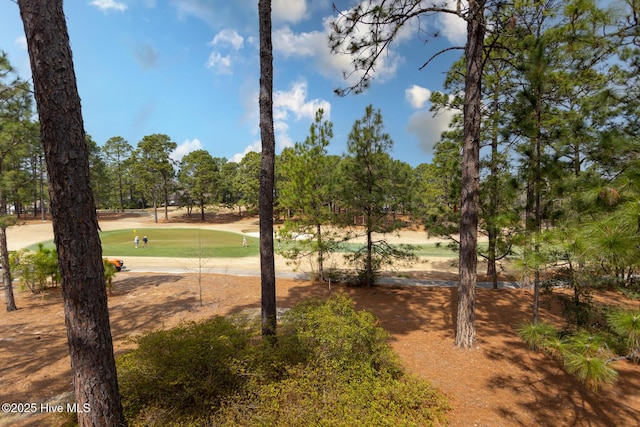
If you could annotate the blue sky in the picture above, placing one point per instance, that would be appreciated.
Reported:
(190, 69)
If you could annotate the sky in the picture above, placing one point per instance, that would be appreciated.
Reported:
(190, 69)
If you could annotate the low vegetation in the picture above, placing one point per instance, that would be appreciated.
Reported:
(588, 352)
(331, 366)
(36, 270)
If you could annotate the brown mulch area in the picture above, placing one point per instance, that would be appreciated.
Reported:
(498, 383)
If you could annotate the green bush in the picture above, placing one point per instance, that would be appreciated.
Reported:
(333, 332)
(36, 269)
(183, 370)
(314, 396)
(331, 366)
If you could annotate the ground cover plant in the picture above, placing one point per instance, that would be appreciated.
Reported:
(331, 366)
(588, 352)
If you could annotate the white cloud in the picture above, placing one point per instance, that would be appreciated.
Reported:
(220, 64)
(452, 26)
(106, 5)
(288, 10)
(313, 45)
(289, 44)
(21, 42)
(200, 9)
(428, 127)
(256, 146)
(289, 105)
(386, 63)
(224, 44)
(417, 96)
(185, 148)
(227, 37)
(293, 104)
(295, 101)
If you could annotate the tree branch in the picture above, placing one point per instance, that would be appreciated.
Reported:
(440, 53)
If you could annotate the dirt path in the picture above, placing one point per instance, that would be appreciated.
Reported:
(499, 383)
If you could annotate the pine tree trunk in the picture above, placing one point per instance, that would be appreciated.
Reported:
(369, 279)
(75, 223)
(120, 188)
(155, 204)
(166, 201)
(267, 172)
(6, 272)
(465, 327)
(494, 195)
(537, 215)
(320, 252)
(492, 271)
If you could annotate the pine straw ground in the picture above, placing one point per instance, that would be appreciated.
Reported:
(499, 383)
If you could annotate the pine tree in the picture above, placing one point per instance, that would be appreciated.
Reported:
(75, 223)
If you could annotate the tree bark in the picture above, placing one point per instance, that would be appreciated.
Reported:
(538, 213)
(267, 172)
(166, 200)
(465, 327)
(75, 223)
(6, 272)
(320, 250)
(494, 195)
(5, 222)
(368, 272)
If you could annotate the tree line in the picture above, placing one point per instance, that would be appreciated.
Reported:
(544, 160)
(559, 141)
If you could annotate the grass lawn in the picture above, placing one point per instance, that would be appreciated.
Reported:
(425, 250)
(175, 242)
(198, 243)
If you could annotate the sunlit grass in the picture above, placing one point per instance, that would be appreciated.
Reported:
(433, 250)
(176, 242)
(194, 243)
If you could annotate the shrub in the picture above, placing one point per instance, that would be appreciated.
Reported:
(331, 366)
(184, 370)
(317, 396)
(333, 332)
(36, 269)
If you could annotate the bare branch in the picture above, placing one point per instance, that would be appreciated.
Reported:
(440, 53)
(385, 20)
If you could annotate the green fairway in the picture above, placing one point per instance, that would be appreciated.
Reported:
(175, 242)
(424, 250)
(198, 243)
(430, 250)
